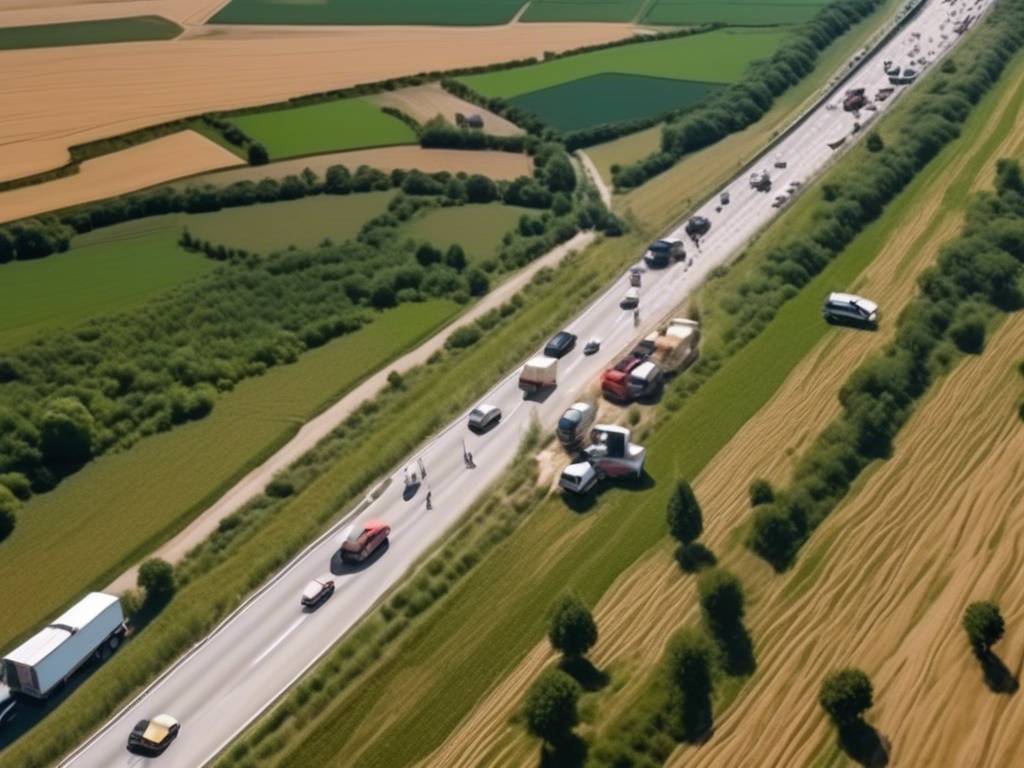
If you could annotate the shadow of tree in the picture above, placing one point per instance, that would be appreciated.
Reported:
(863, 744)
(570, 752)
(694, 557)
(737, 650)
(583, 671)
(998, 678)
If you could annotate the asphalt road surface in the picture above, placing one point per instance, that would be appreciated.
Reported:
(229, 679)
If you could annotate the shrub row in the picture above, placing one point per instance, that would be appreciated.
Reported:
(977, 275)
(33, 239)
(438, 132)
(737, 106)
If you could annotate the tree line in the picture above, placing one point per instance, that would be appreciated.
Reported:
(737, 106)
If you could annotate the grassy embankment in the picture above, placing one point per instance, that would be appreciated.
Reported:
(718, 163)
(510, 609)
(128, 29)
(327, 127)
(653, 598)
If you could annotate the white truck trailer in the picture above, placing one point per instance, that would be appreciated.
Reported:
(40, 664)
(538, 374)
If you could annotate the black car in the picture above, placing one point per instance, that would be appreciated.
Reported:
(152, 737)
(560, 345)
(698, 225)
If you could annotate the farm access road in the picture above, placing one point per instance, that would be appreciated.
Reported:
(232, 676)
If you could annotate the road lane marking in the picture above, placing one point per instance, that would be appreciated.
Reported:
(279, 640)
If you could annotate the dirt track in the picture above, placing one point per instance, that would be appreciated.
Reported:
(651, 600)
(154, 162)
(52, 98)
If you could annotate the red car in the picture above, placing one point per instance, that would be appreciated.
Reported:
(364, 541)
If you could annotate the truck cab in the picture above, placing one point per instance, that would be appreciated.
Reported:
(645, 380)
(575, 425)
(661, 253)
(615, 381)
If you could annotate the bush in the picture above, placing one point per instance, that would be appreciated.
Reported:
(258, 154)
(968, 329)
(984, 626)
(66, 433)
(550, 708)
(463, 337)
(874, 142)
(685, 520)
(9, 504)
(156, 577)
(721, 599)
(761, 492)
(845, 695)
(571, 628)
(688, 668)
(773, 536)
(17, 484)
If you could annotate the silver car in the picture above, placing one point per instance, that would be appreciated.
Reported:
(850, 308)
(483, 417)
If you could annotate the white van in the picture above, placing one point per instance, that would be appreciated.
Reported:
(579, 477)
(631, 300)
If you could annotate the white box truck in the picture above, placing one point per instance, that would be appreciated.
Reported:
(37, 666)
(538, 374)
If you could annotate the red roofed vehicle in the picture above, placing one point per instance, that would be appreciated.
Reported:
(364, 541)
(615, 381)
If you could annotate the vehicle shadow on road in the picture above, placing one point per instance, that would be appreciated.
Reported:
(340, 568)
(540, 396)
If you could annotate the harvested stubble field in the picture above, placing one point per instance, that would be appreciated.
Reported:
(106, 90)
(108, 515)
(453, 12)
(332, 126)
(492, 163)
(424, 102)
(755, 14)
(650, 601)
(67, 288)
(88, 32)
(155, 162)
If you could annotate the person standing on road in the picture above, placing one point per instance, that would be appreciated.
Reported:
(423, 469)
(430, 503)
(636, 317)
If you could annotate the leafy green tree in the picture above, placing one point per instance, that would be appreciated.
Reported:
(984, 626)
(480, 189)
(571, 628)
(721, 599)
(9, 504)
(875, 143)
(845, 695)
(455, 257)
(427, 254)
(66, 433)
(6, 247)
(773, 536)
(688, 667)
(477, 282)
(685, 520)
(550, 707)
(338, 180)
(559, 174)
(761, 492)
(258, 154)
(156, 576)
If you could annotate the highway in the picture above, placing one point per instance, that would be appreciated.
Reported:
(256, 654)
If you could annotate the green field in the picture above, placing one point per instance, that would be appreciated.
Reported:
(721, 56)
(444, 12)
(477, 228)
(610, 98)
(328, 127)
(101, 519)
(261, 228)
(70, 287)
(583, 10)
(755, 14)
(123, 30)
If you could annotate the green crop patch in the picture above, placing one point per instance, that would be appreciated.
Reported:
(327, 127)
(445, 12)
(754, 14)
(68, 288)
(126, 30)
(582, 10)
(610, 98)
(721, 56)
(477, 228)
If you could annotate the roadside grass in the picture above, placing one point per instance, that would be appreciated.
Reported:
(387, 430)
(68, 288)
(721, 56)
(330, 126)
(477, 228)
(260, 228)
(610, 97)
(102, 519)
(670, 195)
(756, 14)
(452, 669)
(625, 150)
(595, 10)
(128, 29)
(443, 12)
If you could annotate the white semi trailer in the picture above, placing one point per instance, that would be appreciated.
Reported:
(40, 664)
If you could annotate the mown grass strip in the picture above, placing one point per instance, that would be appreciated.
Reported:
(128, 29)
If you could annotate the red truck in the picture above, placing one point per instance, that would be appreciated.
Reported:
(615, 381)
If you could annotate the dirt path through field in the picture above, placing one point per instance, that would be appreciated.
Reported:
(938, 525)
(317, 428)
(651, 600)
(145, 165)
(52, 98)
(595, 177)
